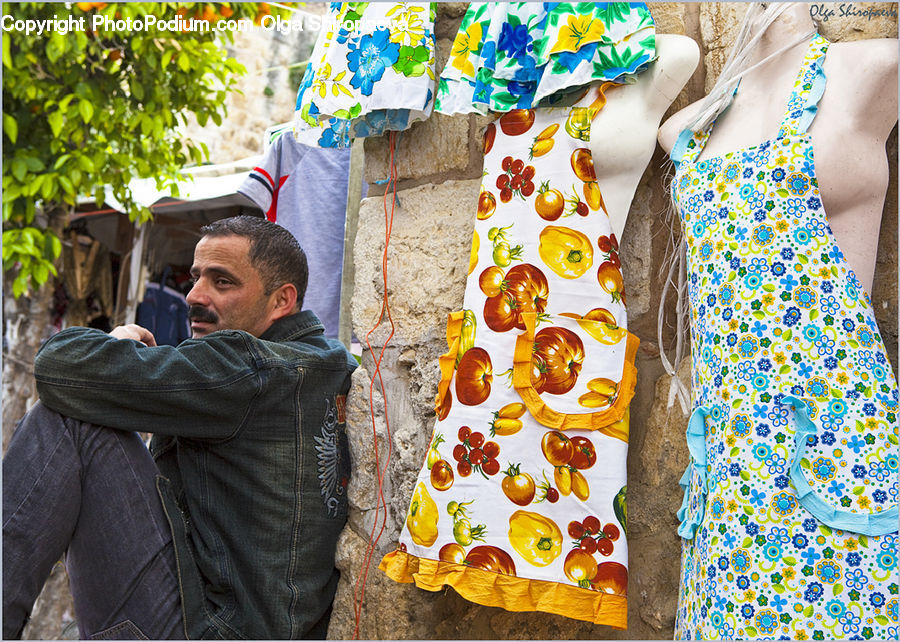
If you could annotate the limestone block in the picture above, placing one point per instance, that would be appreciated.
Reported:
(719, 24)
(658, 456)
(389, 610)
(441, 54)
(669, 16)
(428, 148)
(636, 253)
(428, 260)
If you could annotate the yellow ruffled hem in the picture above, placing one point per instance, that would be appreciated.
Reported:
(508, 592)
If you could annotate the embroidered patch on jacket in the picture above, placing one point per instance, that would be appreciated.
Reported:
(328, 455)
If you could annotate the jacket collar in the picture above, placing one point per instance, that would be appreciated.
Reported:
(293, 327)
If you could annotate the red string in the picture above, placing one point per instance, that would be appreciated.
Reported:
(359, 590)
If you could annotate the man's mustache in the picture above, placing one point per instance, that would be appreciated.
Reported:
(202, 314)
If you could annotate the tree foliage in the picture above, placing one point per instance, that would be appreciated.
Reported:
(87, 109)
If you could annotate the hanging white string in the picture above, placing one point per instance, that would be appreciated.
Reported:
(673, 268)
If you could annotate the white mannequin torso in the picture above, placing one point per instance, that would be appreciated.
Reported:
(623, 134)
(855, 116)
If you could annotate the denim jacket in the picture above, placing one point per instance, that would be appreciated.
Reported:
(249, 439)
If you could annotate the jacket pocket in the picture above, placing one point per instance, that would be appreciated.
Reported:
(576, 374)
(126, 630)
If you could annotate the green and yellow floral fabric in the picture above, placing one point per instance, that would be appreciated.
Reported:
(519, 55)
(371, 71)
(790, 513)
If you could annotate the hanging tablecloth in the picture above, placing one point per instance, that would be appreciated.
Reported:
(371, 71)
(519, 55)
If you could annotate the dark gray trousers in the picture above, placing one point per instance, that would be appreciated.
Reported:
(88, 492)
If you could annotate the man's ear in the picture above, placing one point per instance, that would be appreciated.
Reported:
(284, 301)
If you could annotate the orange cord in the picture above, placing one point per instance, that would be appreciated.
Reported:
(359, 589)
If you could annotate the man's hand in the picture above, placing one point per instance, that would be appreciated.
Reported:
(136, 332)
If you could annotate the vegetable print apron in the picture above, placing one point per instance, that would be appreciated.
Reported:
(521, 500)
(790, 513)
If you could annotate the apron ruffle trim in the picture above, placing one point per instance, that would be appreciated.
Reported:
(506, 591)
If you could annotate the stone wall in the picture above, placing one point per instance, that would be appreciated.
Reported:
(439, 165)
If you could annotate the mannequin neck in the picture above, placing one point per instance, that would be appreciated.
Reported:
(790, 25)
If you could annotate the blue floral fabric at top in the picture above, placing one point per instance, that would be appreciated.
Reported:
(519, 55)
(790, 512)
(371, 71)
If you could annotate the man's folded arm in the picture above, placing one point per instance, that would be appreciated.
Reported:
(121, 383)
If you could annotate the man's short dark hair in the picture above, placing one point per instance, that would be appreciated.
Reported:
(274, 252)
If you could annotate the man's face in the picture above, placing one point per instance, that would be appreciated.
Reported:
(228, 292)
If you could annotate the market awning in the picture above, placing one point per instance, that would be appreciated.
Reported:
(205, 195)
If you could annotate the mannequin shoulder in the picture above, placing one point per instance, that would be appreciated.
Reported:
(677, 57)
(675, 124)
(865, 60)
(862, 74)
(677, 52)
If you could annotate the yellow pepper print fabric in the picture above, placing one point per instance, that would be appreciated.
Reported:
(520, 502)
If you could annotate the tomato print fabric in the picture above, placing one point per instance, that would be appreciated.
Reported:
(519, 55)
(790, 513)
(520, 502)
(371, 71)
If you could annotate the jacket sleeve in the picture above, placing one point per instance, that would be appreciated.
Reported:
(200, 389)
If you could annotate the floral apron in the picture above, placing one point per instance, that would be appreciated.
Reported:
(519, 55)
(521, 500)
(371, 71)
(790, 513)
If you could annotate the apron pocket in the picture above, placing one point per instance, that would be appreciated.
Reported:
(459, 339)
(576, 374)
(814, 496)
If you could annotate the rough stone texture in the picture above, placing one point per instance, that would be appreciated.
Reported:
(884, 288)
(428, 259)
(53, 616)
(658, 450)
(669, 17)
(719, 22)
(636, 257)
(447, 148)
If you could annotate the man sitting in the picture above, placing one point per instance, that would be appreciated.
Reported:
(229, 529)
